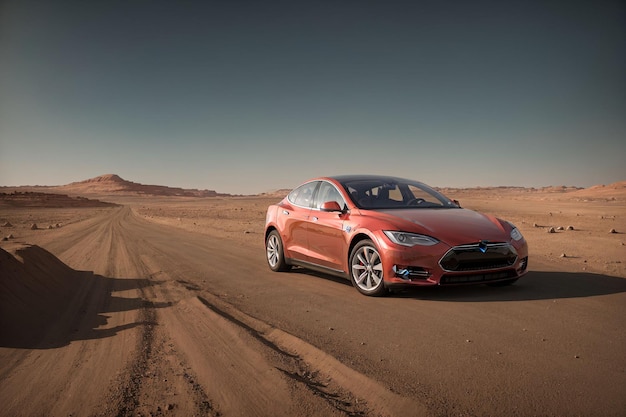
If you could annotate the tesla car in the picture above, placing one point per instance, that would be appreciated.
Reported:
(382, 232)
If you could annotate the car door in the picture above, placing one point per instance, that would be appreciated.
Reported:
(294, 220)
(326, 238)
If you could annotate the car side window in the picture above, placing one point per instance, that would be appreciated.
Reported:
(328, 192)
(303, 195)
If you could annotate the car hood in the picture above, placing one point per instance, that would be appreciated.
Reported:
(452, 226)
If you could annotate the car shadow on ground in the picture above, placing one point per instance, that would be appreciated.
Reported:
(46, 304)
(536, 285)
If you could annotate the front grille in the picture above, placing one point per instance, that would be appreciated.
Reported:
(478, 257)
(475, 278)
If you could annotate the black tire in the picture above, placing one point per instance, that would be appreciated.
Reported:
(366, 269)
(505, 283)
(274, 253)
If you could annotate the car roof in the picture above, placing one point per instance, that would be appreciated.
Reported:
(348, 178)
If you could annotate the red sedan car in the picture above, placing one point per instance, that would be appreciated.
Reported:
(381, 232)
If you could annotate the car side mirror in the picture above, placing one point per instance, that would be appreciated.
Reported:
(331, 206)
(457, 203)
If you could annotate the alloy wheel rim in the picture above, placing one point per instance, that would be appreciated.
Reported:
(367, 268)
(272, 250)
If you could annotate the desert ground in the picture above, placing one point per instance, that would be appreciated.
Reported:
(164, 306)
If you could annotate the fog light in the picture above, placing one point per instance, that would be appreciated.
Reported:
(410, 272)
(401, 272)
(523, 264)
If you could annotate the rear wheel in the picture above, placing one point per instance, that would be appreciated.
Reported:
(366, 269)
(275, 254)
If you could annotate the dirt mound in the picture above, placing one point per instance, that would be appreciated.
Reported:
(35, 290)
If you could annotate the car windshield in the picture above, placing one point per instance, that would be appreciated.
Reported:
(394, 193)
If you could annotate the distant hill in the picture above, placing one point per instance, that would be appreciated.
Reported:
(114, 184)
(615, 191)
(50, 200)
(610, 192)
(280, 193)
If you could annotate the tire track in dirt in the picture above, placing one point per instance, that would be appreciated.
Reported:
(341, 387)
(156, 368)
(130, 388)
(296, 369)
(243, 366)
(233, 372)
(248, 367)
(163, 383)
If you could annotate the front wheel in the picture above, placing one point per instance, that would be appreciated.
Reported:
(275, 254)
(366, 269)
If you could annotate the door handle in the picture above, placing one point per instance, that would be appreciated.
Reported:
(285, 212)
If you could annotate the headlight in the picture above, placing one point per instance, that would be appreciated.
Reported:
(410, 239)
(516, 234)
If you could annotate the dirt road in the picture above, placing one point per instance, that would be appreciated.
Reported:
(137, 318)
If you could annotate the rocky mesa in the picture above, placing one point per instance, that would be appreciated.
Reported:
(112, 183)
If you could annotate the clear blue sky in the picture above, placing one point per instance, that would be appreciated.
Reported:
(246, 97)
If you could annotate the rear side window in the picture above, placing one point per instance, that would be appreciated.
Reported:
(303, 195)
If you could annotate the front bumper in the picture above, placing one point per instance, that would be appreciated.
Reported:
(458, 265)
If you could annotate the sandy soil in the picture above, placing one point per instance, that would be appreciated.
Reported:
(165, 306)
